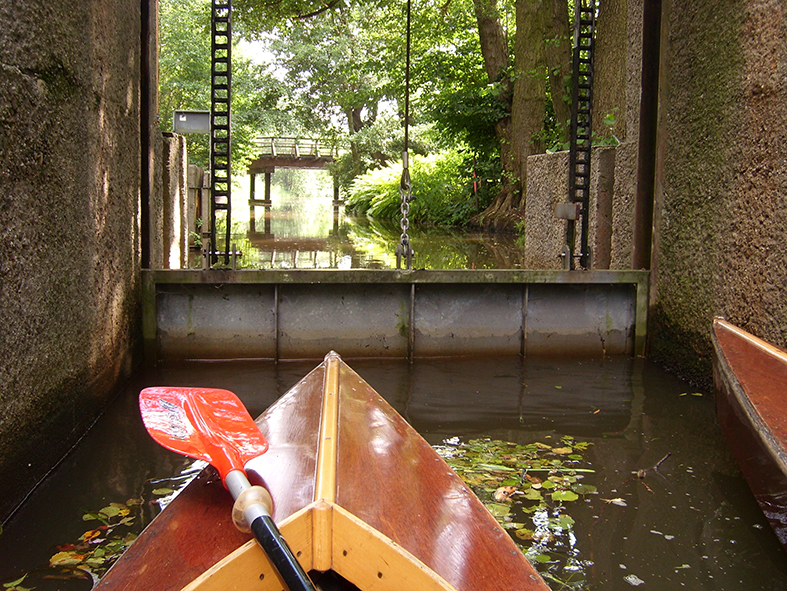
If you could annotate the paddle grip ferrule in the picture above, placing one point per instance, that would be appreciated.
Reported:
(281, 556)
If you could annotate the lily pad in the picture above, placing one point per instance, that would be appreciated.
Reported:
(564, 495)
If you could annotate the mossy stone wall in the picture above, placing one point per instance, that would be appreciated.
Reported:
(70, 169)
(721, 185)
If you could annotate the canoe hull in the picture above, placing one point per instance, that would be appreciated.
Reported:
(356, 492)
(750, 379)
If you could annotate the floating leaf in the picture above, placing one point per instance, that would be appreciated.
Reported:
(110, 511)
(66, 559)
(89, 535)
(162, 491)
(95, 561)
(563, 522)
(564, 495)
(617, 501)
(503, 493)
(532, 494)
(583, 489)
(562, 450)
(542, 558)
(525, 534)
(15, 583)
(92, 517)
(498, 509)
(633, 580)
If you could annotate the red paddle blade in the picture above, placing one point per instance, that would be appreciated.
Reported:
(202, 423)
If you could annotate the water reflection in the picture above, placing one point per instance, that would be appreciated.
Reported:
(359, 243)
(303, 228)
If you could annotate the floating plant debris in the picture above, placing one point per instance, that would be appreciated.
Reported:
(112, 530)
(529, 489)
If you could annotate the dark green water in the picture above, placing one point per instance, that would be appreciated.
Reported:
(691, 524)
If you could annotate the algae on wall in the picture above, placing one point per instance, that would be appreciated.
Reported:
(70, 180)
(720, 231)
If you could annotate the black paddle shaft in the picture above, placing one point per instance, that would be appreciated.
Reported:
(281, 556)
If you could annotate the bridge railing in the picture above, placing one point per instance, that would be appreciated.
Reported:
(296, 147)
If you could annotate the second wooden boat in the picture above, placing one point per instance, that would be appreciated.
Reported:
(357, 493)
(750, 377)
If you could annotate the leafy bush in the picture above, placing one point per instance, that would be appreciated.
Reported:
(439, 191)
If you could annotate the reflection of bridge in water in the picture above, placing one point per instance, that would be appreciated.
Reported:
(296, 253)
(287, 152)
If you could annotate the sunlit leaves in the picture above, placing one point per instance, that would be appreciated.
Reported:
(437, 190)
(184, 81)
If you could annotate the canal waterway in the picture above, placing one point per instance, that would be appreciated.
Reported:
(690, 523)
(303, 230)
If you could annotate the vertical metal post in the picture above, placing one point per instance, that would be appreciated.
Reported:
(252, 198)
(581, 118)
(220, 144)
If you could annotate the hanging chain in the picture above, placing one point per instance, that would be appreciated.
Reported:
(406, 195)
(405, 187)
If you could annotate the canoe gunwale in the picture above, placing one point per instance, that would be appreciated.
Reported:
(742, 400)
(750, 378)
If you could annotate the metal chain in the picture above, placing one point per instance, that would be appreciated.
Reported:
(405, 187)
(406, 195)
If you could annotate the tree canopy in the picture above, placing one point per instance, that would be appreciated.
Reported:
(486, 77)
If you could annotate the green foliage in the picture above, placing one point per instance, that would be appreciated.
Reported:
(184, 82)
(606, 137)
(439, 191)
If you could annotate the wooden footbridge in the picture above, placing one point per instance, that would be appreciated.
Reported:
(291, 152)
(287, 152)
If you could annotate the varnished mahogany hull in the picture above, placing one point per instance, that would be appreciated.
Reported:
(340, 458)
(750, 377)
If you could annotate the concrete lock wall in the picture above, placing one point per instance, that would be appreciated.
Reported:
(388, 313)
(71, 103)
(721, 192)
(613, 183)
(710, 88)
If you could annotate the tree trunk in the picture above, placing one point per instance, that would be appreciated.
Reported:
(494, 44)
(528, 107)
(497, 61)
(558, 57)
(527, 111)
(355, 125)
